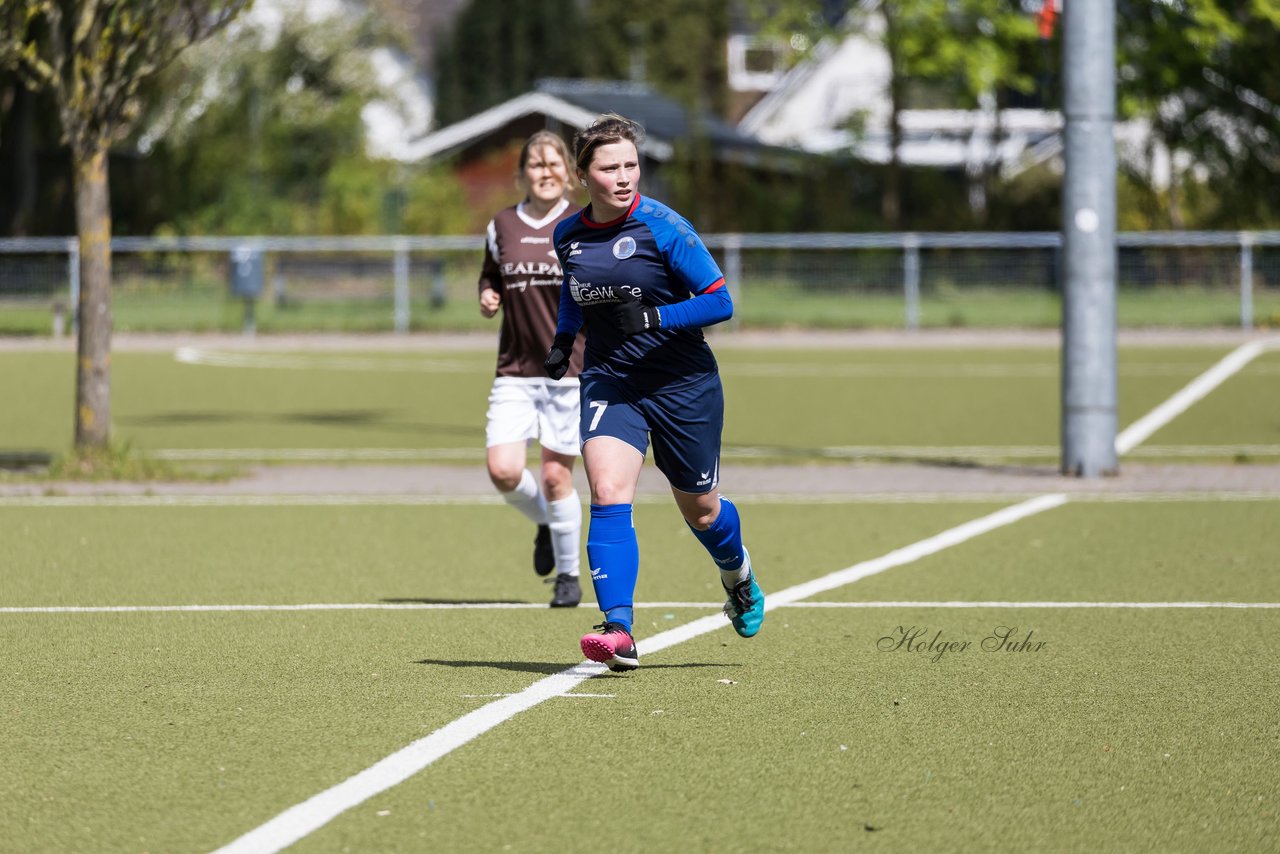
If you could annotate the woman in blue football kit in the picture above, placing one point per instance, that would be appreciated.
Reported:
(641, 279)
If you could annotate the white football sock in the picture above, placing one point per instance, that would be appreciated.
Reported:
(731, 578)
(565, 518)
(527, 498)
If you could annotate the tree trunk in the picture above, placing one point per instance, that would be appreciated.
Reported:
(891, 197)
(93, 362)
(25, 175)
(891, 192)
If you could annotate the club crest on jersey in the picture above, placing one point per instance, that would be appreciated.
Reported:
(624, 248)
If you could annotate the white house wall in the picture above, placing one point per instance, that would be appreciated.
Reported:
(838, 81)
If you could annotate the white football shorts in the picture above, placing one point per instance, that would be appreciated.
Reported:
(522, 409)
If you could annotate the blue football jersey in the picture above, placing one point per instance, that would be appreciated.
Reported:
(655, 255)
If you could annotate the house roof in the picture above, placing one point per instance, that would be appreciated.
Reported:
(576, 103)
(662, 117)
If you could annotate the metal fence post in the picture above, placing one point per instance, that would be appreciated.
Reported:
(1246, 280)
(402, 289)
(733, 269)
(911, 280)
(439, 294)
(73, 277)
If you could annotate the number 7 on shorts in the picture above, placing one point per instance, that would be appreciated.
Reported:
(598, 406)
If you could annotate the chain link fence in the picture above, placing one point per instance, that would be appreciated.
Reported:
(405, 284)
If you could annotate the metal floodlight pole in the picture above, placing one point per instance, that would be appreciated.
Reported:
(1089, 240)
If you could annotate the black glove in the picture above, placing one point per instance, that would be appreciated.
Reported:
(634, 317)
(557, 362)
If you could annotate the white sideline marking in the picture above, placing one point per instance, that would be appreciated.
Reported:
(923, 370)
(310, 606)
(499, 606)
(301, 820)
(1140, 430)
(323, 454)
(915, 551)
(215, 358)
(855, 452)
(993, 370)
(987, 452)
(315, 812)
(1141, 605)
(310, 815)
(299, 500)
(491, 696)
(289, 500)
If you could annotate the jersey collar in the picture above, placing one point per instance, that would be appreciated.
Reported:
(590, 224)
(546, 220)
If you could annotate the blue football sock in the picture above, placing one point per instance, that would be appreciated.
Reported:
(623, 615)
(723, 540)
(614, 557)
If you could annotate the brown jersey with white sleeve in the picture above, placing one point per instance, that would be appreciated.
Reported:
(520, 264)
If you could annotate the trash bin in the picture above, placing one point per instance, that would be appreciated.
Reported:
(246, 281)
(246, 272)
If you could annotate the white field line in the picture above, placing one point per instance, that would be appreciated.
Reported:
(289, 500)
(945, 452)
(948, 371)
(308, 454)
(501, 606)
(299, 821)
(1140, 430)
(993, 452)
(923, 370)
(942, 452)
(311, 606)
(342, 500)
(224, 359)
(948, 604)
(492, 696)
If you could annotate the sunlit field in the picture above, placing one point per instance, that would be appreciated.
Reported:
(1085, 671)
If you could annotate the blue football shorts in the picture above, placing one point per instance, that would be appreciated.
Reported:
(684, 425)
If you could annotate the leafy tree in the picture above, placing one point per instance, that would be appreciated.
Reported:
(676, 46)
(262, 131)
(13, 26)
(498, 48)
(955, 53)
(271, 140)
(968, 48)
(94, 56)
(17, 116)
(436, 204)
(1204, 73)
(13, 32)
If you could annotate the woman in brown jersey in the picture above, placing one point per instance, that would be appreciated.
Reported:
(520, 279)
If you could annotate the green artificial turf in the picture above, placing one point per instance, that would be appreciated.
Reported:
(758, 305)
(780, 404)
(1103, 552)
(1128, 730)
(1244, 410)
(75, 555)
